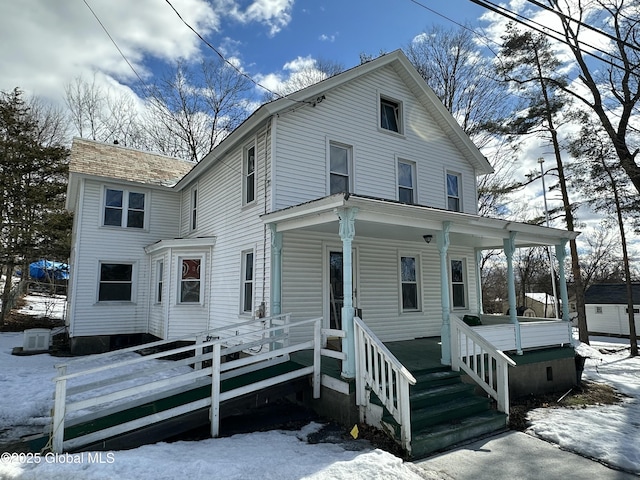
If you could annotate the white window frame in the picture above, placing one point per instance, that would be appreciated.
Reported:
(193, 217)
(398, 105)
(159, 291)
(417, 282)
(244, 281)
(132, 295)
(124, 208)
(464, 283)
(414, 191)
(247, 176)
(201, 278)
(446, 190)
(350, 165)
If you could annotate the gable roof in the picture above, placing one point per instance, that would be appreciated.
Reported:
(611, 294)
(100, 159)
(405, 70)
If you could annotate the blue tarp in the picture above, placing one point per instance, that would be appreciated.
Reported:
(47, 270)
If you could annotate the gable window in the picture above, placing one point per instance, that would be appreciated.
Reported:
(409, 284)
(159, 280)
(340, 166)
(123, 208)
(116, 282)
(194, 208)
(247, 282)
(249, 174)
(453, 192)
(406, 179)
(190, 280)
(458, 287)
(390, 115)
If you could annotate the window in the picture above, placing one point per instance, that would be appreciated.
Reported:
(635, 310)
(453, 192)
(390, 115)
(123, 208)
(409, 280)
(194, 208)
(458, 289)
(599, 310)
(159, 280)
(115, 282)
(249, 174)
(339, 168)
(406, 186)
(190, 280)
(247, 282)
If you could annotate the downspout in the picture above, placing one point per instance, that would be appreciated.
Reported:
(509, 249)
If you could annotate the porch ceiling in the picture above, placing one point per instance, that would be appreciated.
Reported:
(377, 218)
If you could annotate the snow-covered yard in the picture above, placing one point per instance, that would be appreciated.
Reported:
(608, 433)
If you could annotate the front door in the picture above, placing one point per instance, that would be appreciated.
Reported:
(336, 287)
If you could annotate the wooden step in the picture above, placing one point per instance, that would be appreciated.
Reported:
(440, 394)
(448, 411)
(433, 378)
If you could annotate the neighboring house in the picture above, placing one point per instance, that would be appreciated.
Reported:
(356, 196)
(607, 310)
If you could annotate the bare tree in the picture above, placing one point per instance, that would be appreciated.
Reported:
(313, 72)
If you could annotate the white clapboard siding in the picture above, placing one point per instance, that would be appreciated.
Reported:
(613, 319)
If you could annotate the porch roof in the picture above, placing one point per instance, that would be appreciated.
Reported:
(389, 219)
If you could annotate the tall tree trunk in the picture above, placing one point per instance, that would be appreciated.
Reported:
(6, 292)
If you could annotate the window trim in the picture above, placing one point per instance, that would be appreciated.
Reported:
(390, 99)
(246, 173)
(446, 190)
(414, 189)
(244, 281)
(418, 282)
(464, 283)
(193, 211)
(201, 278)
(132, 294)
(124, 215)
(350, 164)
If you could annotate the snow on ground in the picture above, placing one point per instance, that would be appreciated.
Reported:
(44, 305)
(608, 433)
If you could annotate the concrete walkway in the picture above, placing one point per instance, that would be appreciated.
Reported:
(514, 455)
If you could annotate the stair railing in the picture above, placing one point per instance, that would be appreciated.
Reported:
(379, 371)
(479, 359)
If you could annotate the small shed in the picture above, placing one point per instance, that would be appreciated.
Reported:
(606, 308)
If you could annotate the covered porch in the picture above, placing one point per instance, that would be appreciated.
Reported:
(382, 229)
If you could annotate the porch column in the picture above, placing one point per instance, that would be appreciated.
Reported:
(445, 331)
(347, 231)
(276, 271)
(509, 249)
(479, 281)
(561, 254)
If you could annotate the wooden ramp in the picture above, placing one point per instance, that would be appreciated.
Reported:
(156, 391)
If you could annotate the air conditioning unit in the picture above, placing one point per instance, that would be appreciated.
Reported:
(36, 339)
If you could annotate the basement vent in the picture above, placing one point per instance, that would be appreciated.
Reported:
(36, 339)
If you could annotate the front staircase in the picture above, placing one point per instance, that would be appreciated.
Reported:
(444, 411)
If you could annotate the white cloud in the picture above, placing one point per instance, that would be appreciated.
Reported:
(327, 38)
(276, 14)
(300, 63)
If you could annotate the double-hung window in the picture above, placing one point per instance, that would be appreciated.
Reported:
(249, 166)
(247, 282)
(406, 182)
(391, 115)
(116, 282)
(194, 208)
(190, 280)
(409, 276)
(159, 280)
(123, 208)
(340, 167)
(453, 192)
(458, 284)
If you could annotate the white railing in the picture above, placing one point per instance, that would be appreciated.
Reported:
(125, 380)
(380, 371)
(534, 332)
(479, 359)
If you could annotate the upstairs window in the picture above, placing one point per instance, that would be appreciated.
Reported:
(249, 174)
(458, 287)
(194, 208)
(116, 282)
(340, 166)
(409, 280)
(390, 115)
(190, 280)
(453, 192)
(123, 208)
(247, 282)
(406, 179)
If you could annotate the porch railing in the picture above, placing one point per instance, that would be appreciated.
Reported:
(378, 370)
(126, 382)
(478, 358)
(534, 332)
